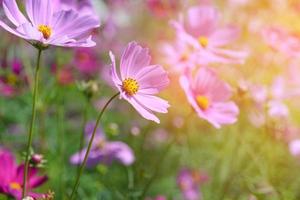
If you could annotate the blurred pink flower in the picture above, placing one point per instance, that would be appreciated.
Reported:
(11, 177)
(271, 99)
(103, 151)
(180, 57)
(160, 197)
(209, 96)
(11, 78)
(47, 26)
(139, 81)
(189, 182)
(283, 41)
(294, 147)
(201, 31)
(162, 8)
(86, 61)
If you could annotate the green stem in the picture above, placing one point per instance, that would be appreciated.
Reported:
(33, 113)
(73, 194)
(84, 121)
(159, 163)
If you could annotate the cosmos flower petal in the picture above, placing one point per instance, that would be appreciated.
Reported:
(224, 36)
(36, 181)
(114, 74)
(153, 76)
(144, 112)
(153, 103)
(7, 162)
(28, 30)
(13, 31)
(13, 13)
(40, 12)
(77, 158)
(230, 56)
(207, 80)
(121, 152)
(185, 83)
(88, 42)
(72, 24)
(133, 59)
(223, 113)
(202, 20)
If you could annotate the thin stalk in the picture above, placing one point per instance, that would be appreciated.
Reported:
(73, 194)
(159, 163)
(33, 113)
(84, 121)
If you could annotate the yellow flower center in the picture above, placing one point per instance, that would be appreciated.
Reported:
(130, 86)
(15, 186)
(12, 79)
(101, 144)
(184, 56)
(202, 102)
(203, 41)
(45, 30)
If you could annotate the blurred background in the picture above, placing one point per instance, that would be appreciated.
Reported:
(183, 157)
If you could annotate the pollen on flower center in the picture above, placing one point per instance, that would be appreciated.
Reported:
(15, 186)
(202, 102)
(184, 56)
(45, 30)
(203, 41)
(101, 144)
(130, 86)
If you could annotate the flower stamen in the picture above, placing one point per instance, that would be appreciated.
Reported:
(130, 86)
(203, 102)
(203, 41)
(45, 30)
(15, 186)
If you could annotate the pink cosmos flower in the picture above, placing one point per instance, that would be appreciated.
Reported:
(283, 41)
(209, 96)
(202, 32)
(180, 57)
(103, 151)
(48, 26)
(139, 81)
(11, 177)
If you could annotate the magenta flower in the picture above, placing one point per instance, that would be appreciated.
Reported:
(201, 31)
(139, 81)
(209, 96)
(103, 151)
(11, 177)
(11, 78)
(47, 26)
(86, 61)
(189, 182)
